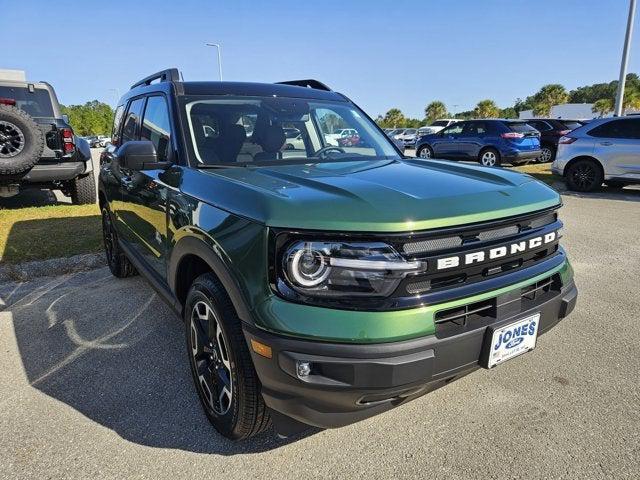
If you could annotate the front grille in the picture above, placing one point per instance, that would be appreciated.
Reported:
(446, 254)
(453, 321)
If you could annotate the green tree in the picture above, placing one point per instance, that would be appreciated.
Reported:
(92, 118)
(486, 109)
(602, 107)
(547, 97)
(435, 110)
(394, 118)
(509, 112)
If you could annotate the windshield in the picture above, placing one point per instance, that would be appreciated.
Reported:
(36, 104)
(247, 130)
(411, 131)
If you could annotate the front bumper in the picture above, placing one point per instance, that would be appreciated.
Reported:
(351, 382)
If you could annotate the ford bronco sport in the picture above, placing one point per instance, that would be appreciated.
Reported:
(322, 284)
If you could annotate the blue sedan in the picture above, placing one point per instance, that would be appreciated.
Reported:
(490, 142)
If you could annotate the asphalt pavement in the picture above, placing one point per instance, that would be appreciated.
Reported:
(94, 382)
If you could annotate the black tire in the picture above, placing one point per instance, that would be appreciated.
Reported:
(489, 157)
(425, 151)
(548, 154)
(83, 190)
(118, 262)
(614, 184)
(21, 141)
(213, 332)
(584, 175)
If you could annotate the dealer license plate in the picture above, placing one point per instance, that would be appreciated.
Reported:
(512, 340)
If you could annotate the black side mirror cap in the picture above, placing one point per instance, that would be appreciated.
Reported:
(139, 155)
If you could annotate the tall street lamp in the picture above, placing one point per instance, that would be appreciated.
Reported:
(219, 48)
(625, 59)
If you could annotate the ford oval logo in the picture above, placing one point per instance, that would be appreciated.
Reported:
(515, 342)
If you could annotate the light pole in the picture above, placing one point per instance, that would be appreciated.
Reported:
(625, 59)
(219, 48)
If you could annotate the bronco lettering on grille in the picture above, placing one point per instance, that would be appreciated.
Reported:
(496, 252)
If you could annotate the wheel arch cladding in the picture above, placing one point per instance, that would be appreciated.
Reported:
(190, 258)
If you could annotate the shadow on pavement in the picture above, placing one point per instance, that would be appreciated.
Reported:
(114, 352)
(32, 197)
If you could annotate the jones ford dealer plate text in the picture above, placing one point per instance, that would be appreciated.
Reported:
(512, 340)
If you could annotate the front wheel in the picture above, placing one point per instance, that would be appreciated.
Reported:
(584, 175)
(221, 365)
(489, 158)
(425, 152)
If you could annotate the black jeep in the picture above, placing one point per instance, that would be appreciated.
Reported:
(38, 147)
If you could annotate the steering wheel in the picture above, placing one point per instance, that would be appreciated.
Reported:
(327, 149)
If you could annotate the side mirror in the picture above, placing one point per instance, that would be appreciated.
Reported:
(139, 155)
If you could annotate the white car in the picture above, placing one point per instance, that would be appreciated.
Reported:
(332, 138)
(294, 140)
(436, 126)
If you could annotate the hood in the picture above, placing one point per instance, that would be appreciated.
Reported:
(372, 196)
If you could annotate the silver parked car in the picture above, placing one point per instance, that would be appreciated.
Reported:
(604, 150)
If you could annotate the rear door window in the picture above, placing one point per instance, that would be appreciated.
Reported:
(36, 103)
(156, 126)
(132, 120)
(617, 129)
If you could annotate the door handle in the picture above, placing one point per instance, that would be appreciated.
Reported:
(606, 144)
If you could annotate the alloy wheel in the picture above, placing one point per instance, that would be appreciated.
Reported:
(108, 237)
(11, 140)
(545, 155)
(584, 175)
(211, 358)
(488, 159)
(425, 153)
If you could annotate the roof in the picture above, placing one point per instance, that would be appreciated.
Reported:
(258, 89)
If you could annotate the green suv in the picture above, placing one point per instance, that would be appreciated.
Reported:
(321, 281)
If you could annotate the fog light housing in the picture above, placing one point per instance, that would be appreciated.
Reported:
(303, 369)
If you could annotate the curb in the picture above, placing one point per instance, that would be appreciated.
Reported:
(25, 271)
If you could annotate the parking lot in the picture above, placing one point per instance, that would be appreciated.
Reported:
(95, 382)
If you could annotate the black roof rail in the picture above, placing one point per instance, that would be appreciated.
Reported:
(168, 75)
(309, 83)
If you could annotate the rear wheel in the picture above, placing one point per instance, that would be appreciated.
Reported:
(83, 190)
(425, 152)
(584, 175)
(118, 262)
(221, 365)
(489, 157)
(546, 154)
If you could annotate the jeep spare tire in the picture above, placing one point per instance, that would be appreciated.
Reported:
(21, 141)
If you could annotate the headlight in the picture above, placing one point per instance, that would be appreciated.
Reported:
(334, 269)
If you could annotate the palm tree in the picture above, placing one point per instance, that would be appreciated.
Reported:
(547, 97)
(435, 110)
(602, 106)
(486, 109)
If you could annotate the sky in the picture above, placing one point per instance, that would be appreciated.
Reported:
(387, 54)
